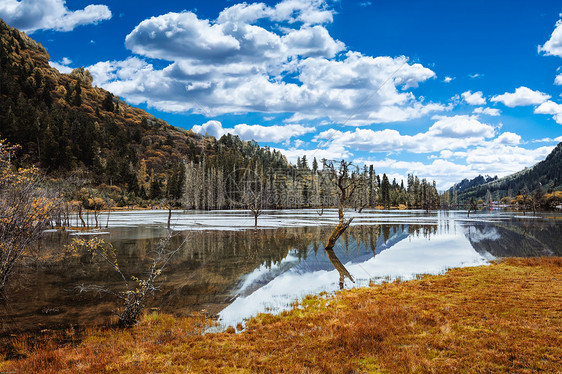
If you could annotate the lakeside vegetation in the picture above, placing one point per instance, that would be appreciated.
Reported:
(505, 317)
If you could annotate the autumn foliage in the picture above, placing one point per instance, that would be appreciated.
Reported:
(26, 209)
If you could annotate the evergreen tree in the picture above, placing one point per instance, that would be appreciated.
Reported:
(385, 192)
(77, 101)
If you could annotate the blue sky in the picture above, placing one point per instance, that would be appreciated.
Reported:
(443, 89)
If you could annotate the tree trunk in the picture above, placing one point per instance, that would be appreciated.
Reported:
(107, 222)
(169, 216)
(80, 215)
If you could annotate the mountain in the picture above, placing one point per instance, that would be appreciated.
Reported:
(547, 174)
(466, 184)
(71, 128)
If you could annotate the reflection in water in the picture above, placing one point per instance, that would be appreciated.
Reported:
(237, 274)
(398, 251)
(339, 267)
(516, 237)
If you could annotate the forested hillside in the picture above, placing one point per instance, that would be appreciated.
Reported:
(101, 152)
(544, 177)
(70, 128)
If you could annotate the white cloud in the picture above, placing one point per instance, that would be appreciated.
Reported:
(333, 152)
(550, 107)
(475, 75)
(455, 132)
(461, 126)
(508, 138)
(492, 158)
(298, 143)
(558, 80)
(233, 65)
(448, 79)
(60, 67)
(548, 140)
(522, 96)
(475, 98)
(500, 159)
(553, 46)
(273, 134)
(32, 15)
(306, 11)
(312, 41)
(445, 173)
(488, 111)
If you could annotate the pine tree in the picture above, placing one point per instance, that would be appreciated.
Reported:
(77, 101)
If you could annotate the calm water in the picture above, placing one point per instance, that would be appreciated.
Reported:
(234, 273)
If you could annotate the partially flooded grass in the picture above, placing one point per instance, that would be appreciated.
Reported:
(506, 317)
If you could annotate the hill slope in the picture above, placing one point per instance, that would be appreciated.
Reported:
(68, 126)
(547, 173)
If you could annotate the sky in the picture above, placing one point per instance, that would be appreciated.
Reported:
(445, 90)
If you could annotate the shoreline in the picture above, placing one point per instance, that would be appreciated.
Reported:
(505, 316)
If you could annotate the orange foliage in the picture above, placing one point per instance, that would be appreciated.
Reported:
(499, 318)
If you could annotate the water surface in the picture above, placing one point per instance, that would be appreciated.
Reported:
(230, 271)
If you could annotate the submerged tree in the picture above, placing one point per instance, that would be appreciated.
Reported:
(132, 300)
(347, 184)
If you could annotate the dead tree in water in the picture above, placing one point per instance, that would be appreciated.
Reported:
(133, 301)
(247, 191)
(347, 184)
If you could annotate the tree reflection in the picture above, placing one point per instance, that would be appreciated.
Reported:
(339, 267)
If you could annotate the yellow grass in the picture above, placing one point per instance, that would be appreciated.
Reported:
(506, 317)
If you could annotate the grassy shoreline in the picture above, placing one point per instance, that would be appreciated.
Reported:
(506, 317)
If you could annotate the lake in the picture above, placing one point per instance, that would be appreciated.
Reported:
(234, 273)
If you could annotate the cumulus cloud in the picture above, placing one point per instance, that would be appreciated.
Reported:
(521, 97)
(493, 158)
(509, 138)
(289, 64)
(445, 173)
(488, 111)
(552, 108)
(475, 98)
(548, 140)
(273, 134)
(448, 79)
(333, 152)
(456, 132)
(62, 66)
(553, 46)
(33, 15)
(501, 159)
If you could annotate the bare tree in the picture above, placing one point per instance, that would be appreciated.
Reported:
(347, 184)
(248, 191)
(132, 300)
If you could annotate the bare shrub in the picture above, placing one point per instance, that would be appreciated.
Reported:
(133, 299)
(26, 210)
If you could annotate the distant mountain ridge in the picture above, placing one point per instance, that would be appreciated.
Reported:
(466, 184)
(547, 174)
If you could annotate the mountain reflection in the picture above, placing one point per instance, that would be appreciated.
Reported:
(237, 274)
